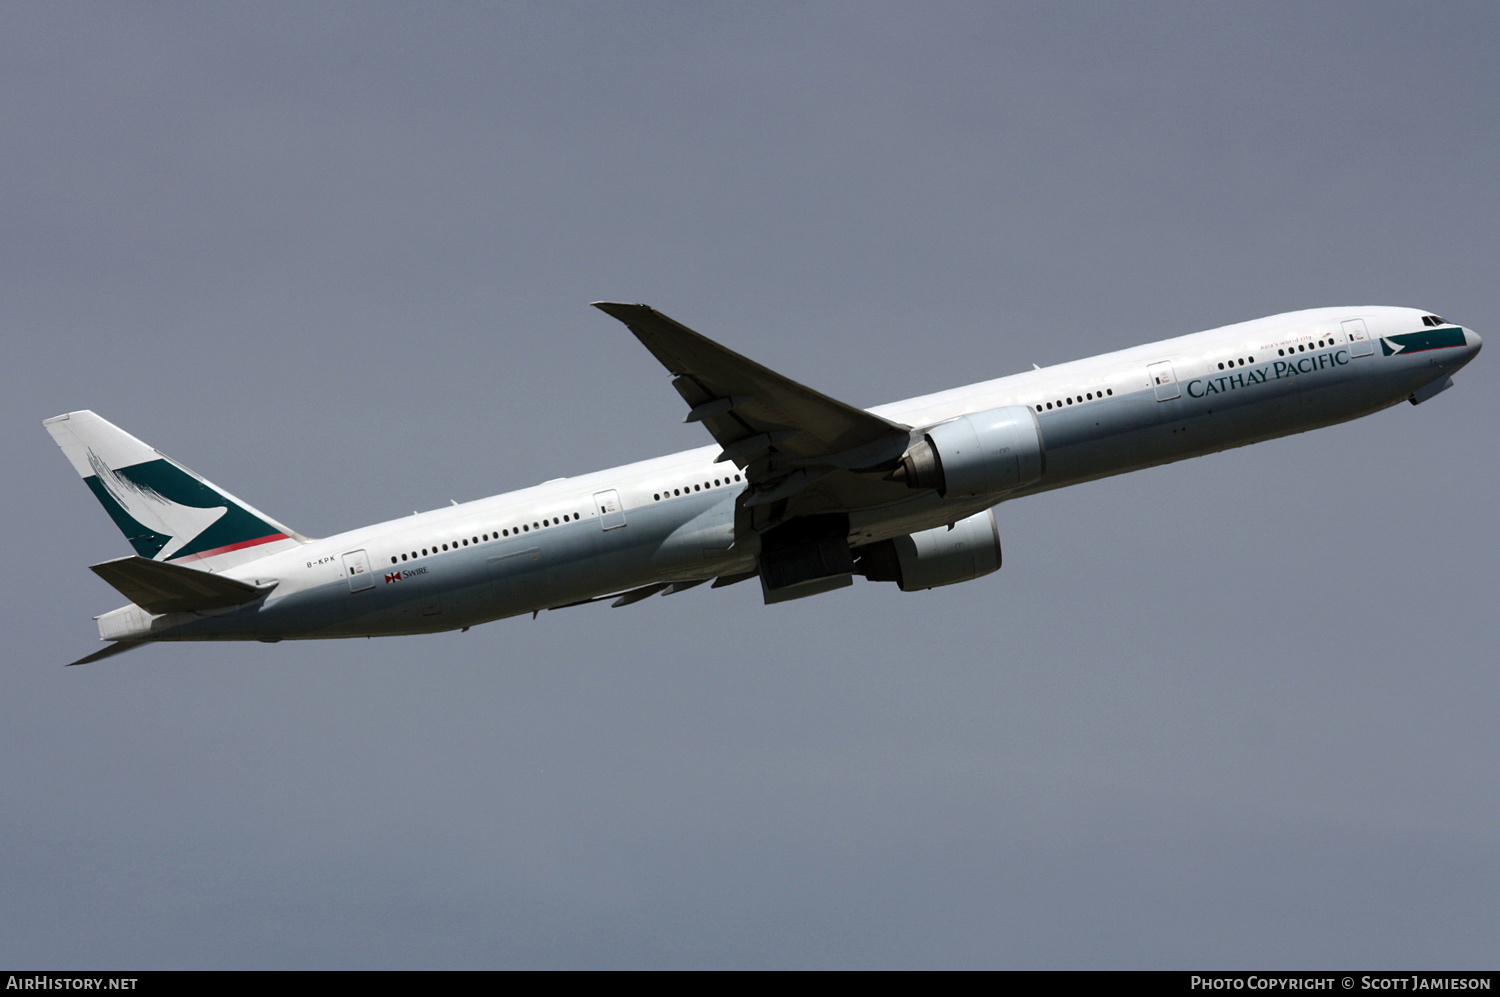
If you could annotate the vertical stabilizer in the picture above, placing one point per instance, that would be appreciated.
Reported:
(167, 512)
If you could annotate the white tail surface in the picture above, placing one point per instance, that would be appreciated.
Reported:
(167, 512)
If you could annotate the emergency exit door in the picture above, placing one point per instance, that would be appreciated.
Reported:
(357, 570)
(611, 512)
(1164, 380)
(1360, 344)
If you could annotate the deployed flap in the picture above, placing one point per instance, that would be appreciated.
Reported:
(159, 587)
(752, 411)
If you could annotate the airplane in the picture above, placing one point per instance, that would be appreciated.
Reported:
(798, 489)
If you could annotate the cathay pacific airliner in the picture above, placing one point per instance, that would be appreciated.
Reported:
(798, 490)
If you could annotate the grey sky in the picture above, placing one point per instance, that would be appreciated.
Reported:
(1236, 712)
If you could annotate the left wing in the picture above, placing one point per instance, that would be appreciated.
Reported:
(802, 452)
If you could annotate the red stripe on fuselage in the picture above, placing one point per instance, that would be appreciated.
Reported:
(229, 547)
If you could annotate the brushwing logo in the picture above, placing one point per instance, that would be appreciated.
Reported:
(170, 526)
(1421, 342)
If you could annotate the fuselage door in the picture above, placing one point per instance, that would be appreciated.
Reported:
(611, 512)
(357, 570)
(1360, 344)
(1164, 380)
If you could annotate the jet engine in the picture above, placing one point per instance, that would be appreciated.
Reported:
(995, 451)
(944, 556)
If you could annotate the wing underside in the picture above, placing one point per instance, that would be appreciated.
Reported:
(803, 453)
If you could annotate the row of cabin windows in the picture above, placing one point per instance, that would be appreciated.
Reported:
(508, 531)
(1237, 362)
(1087, 396)
(689, 489)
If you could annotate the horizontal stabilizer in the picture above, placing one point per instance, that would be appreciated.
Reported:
(159, 587)
(118, 647)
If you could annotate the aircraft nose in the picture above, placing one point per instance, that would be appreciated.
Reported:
(1472, 338)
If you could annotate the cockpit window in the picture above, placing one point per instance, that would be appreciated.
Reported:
(1432, 320)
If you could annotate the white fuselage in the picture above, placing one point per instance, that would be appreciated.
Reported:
(671, 519)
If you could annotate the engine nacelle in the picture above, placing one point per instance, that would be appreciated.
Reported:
(943, 556)
(989, 452)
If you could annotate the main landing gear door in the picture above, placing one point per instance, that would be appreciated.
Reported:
(611, 512)
(357, 570)
(1164, 380)
(1360, 344)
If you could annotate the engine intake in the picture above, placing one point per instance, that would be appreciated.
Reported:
(995, 451)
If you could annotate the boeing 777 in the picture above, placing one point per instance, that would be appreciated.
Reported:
(798, 489)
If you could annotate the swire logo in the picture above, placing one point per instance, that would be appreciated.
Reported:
(396, 576)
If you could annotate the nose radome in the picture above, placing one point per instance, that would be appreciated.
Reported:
(1472, 338)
